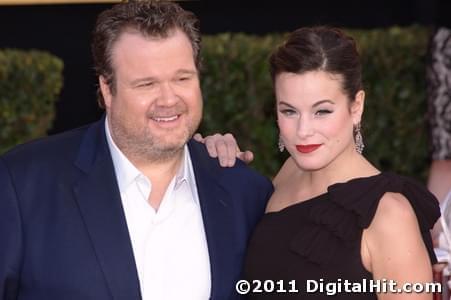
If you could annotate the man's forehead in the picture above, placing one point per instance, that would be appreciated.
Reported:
(134, 40)
(156, 35)
(150, 56)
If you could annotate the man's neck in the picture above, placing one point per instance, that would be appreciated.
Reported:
(160, 174)
(154, 170)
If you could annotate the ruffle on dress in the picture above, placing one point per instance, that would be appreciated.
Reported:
(338, 221)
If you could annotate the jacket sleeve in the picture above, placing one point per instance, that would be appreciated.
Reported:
(10, 236)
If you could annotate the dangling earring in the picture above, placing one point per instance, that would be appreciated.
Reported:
(281, 145)
(358, 139)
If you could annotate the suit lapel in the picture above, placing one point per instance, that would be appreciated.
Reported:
(218, 220)
(98, 197)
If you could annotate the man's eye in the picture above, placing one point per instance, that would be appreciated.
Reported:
(146, 84)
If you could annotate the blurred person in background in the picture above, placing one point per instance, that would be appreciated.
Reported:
(438, 83)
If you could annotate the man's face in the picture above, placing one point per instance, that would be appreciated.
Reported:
(158, 102)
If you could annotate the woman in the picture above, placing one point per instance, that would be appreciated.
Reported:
(334, 217)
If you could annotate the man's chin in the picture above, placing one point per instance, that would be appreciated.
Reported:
(170, 146)
(164, 153)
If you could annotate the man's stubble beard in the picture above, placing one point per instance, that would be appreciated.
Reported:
(141, 145)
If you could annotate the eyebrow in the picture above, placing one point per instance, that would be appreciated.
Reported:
(186, 71)
(150, 78)
(323, 101)
(139, 80)
(286, 104)
(314, 105)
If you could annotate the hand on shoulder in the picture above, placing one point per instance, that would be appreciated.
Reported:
(225, 148)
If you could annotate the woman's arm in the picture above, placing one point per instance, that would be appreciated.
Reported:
(393, 248)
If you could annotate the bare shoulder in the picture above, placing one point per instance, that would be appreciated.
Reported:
(394, 209)
(394, 242)
(394, 224)
(285, 172)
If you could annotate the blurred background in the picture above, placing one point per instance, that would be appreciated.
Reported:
(393, 36)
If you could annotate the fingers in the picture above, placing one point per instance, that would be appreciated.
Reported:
(232, 150)
(198, 137)
(225, 148)
(223, 153)
(246, 156)
(212, 143)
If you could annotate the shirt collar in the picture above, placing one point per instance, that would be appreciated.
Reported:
(183, 171)
(127, 173)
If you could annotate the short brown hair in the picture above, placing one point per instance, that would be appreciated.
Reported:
(150, 18)
(320, 48)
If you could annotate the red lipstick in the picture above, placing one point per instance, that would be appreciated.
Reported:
(307, 148)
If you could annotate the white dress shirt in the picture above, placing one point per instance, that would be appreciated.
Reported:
(169, 245)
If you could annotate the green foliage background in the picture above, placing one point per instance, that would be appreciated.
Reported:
(238, 96)
(30, 82)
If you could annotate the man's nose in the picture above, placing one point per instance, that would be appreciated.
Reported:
(167, 96)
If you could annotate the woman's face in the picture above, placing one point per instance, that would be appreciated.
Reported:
(316, 117)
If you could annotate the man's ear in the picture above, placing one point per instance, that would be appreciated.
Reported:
(106, 91)
(357, 107)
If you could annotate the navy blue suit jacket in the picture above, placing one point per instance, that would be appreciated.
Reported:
(63, 233)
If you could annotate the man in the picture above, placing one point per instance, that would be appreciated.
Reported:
(129, 207)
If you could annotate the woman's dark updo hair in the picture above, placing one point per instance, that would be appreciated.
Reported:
(320, 49)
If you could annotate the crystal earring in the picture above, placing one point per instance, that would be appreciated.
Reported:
(281, 145)
(359, 145)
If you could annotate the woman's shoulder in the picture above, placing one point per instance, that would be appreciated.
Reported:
(394, 211)
(405, 196)
(387, 189)
(349, 207)
(397, 238)
(286, 172)
(394, 205)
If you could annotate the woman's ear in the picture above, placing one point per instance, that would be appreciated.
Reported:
(357, 107)
(106, 91)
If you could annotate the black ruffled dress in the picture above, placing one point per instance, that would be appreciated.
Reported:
(320, 239)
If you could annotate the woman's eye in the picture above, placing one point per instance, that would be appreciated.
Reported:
(287, 112)
(323, 112)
